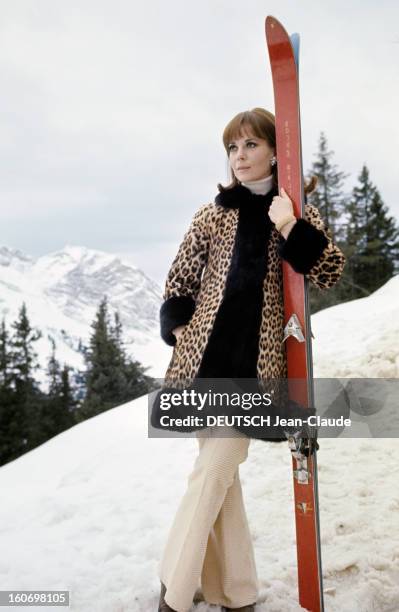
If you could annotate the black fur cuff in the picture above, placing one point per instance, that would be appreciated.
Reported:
(175, 311)
(303, 246)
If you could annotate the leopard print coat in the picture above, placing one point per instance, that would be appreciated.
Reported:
(225, 286)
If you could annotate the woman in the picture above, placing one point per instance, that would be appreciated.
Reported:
(223, 314)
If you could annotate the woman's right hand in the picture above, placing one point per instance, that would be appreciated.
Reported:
(178, 330)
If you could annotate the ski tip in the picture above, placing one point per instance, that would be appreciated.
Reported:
(271, 23)
(270, 18)
(274, 29)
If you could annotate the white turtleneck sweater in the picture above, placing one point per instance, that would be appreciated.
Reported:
(260, 187)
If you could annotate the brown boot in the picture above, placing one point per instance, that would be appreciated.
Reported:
(250, 608)
(163, 606)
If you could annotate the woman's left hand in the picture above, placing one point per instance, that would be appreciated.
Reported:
(280, 207)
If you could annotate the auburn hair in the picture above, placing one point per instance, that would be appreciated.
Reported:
(262, 124)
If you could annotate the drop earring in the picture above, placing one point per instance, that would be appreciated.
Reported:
(273, 161)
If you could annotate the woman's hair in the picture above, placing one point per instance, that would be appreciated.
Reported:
(262, 123)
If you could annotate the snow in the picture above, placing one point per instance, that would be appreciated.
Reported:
(359, 339)
(89, 511)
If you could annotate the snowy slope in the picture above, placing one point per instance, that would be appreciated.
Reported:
(89, 511)
(359, 338)
(62, 291)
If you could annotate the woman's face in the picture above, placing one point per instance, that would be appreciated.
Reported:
(250, 156)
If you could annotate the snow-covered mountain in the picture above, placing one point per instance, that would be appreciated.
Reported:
(62, 291)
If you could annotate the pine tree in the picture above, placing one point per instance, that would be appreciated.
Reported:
(111, 377)
(139, 382)
(329, 196)
(49, 409)
(101, 358)
(53, 371)
(136, 383)
(372, 239)
(77, 380)
(68, 403)
(5, 358)
(24, 357)
(10, 421)
(382, 247)
(28, 399)
(59, 404)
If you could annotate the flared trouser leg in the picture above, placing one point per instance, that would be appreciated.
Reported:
(209, 540)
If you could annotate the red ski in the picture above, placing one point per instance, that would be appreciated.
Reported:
(283, 53)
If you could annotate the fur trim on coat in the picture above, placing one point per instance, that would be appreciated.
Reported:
(175, 311)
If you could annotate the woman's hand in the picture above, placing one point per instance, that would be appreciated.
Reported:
(177, 331)
(280, 208)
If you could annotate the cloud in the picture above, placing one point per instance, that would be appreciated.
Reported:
(112, 112)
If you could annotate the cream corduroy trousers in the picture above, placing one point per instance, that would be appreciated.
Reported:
(210, 541)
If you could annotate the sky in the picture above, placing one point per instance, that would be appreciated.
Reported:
(112, 112)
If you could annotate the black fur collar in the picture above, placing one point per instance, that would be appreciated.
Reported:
(232, 347)
(239, 194)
